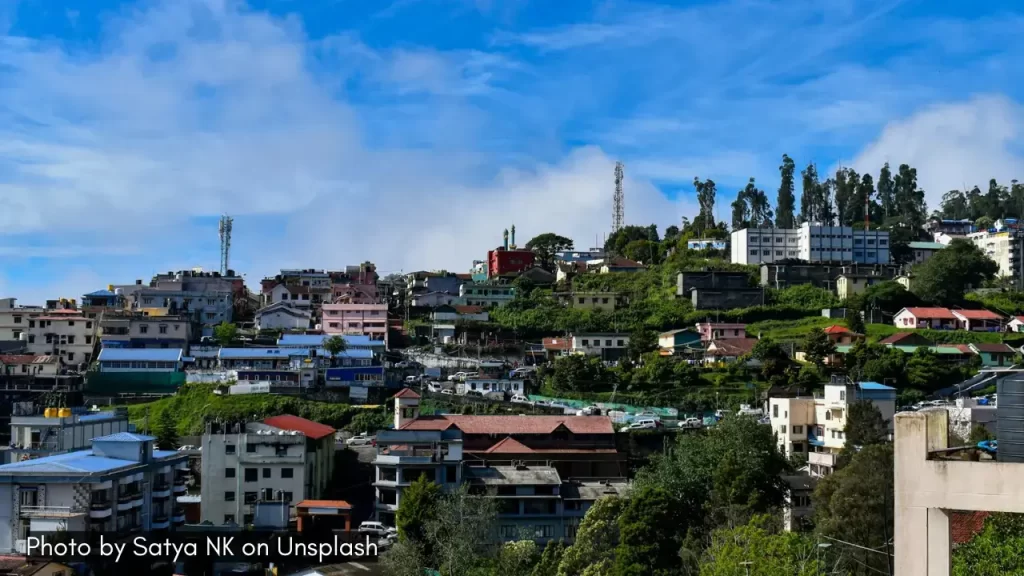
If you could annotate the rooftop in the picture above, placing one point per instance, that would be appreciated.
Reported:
(925, 246)
(140, 355)
(933, 313)
(336, 504)
(77, 462)
(874, 386)
(978, 314)
(593, 489)
(731, 346)
(124, 437)
(309, 340)
(310, 429)
(513, 475)
(27, 359)
(992, 347)
(507, 425)
(407, 393)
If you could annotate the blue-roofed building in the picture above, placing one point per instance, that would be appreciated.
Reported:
(109, 298)
(291, 367)
(140, 360)
(53, 431)
(353, 341)
(137, 371)
(121, 485)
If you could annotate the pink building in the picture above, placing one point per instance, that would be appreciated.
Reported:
(716, 331)
(366, 319)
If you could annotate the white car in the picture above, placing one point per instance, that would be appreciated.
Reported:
(363, 439)
(640, 425)
(520, 399)
(376, 528)
(458, 376)
(691, 423)
(448, 391)
(435, 386)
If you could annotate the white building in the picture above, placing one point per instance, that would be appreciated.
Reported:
(608, 346)
(284, 458)
(29, 365)
(486, 295)
(54, 430)
(121, 484)
(816, 426)
(14, 319)
(1004, 247)
(65, 333)
(281, 316)
(810, 243)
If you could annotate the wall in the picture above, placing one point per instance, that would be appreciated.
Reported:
(726, 299)
(81, 330)
(280, 320)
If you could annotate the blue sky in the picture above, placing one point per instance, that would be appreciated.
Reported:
(411, 132)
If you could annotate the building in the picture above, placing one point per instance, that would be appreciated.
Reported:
(507, 260)
(281, 316)
(849, 285)
(816, 426)
(114, 360)
(620, 265)
(352, 342)
(137, 330)
(119, 486)
(460, 314)
(14, 319)
(489, 295)
(435, 299)
(61, 430)
(63, 331)
(281, 459)
(718, 330)
(979, 320)
(797, 512)
(370, 320)
(29, 365)
(207, 308)
(821, 275)
(422, 282)
(607, 346)
(711, 279)
(952, 228)
(707, 244)
(554, 347)
(716, 290)
(679, 341)
(606, 301)
(931, 486)
(488, 451)
(1016, 324)
(579, 255)
(727, 350)
(356, 285)
(934, 318)
(137, 371)
(1004, 247)
(924, 250)
(994, 354)
(809, 243)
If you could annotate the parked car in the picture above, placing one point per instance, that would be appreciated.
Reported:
(402, 364)
(645, 424)
(435, 387)
(363, 439)
(376, 528)
(691, 423)
(520, 399)
(447, 391)
(457, 377)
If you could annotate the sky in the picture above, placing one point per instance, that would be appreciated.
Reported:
(412, 132)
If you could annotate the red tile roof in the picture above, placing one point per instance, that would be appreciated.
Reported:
(964, 525)
(505, 425)
(837, 329)
(732, 346)
(978, 314)
(509, 446)
(310, 429)
(26, 359)
(324, 504)
(932, 313)
(965, 348)
(623, 263)
(1021, 318)
(468, 309)
(557, 343)
(407, 393)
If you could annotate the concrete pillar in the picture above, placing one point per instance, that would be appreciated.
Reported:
(939, 543)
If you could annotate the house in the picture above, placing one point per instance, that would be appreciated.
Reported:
(280, 459)
(607, 301)
(679, 341)
(444, 333)
(797, 511)
(138, 371)
(460, 313)
(554, 347)
(821, 274)
(538, 275)
(53, 431)
(621, 265)
(904, 280)
(487, 295)
(934, 318)
(906, 339)
(281, 316)
(608, 346)
(435, 299)
(29, 365)
(716, 331)
(369, 320)
(816, 426)
(119, 360)
(993, 354)
(841, 335)
(1016, 324)
(979, 320)
(909, 342)
(63, 331)
(133, 329)
(687, 281)
(352, 341)
(579, 255)
(924, 250)
(726, 298)
(565, 271)
(728, 349)
(121, 483)
(847, 285)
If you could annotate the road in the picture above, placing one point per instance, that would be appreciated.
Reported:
(348, 569)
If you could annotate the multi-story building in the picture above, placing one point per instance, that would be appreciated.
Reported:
(283, 458)
(816, 426)
(206, 308)
(487, 295)
(63, 331)
(57, 430)
(135, 330)
(822, 275)
(281, 316)
(369, 320)
(14, 319)
(119, 486)
(810, 243)
(720, 330)
(607, 346)
(507, 260)
(356, 285)
(579, 255)
(606, 301)
(545, 470)
(1005, 247)
(352, 342)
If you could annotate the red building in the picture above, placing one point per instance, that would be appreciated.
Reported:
(501, 261)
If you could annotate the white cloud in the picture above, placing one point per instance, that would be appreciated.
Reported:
(953, 145)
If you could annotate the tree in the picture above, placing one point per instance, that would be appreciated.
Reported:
(640, 343)
(954, 206)
(864, 198)
(844, 191)
(706, 199)
(855, 322)
(886, 192)
(461, 531)
(646, 547)
(335, 345)
(368, 421)
(546, 245)
(617, 241)
(909, 199)
(550, 559)
(225, 333)
(995, 551)
(772, 357)
(419, 507)
(769, 551)
(404, 558)
(579, 373)
(786, 201)
(951, 272)
(596, 540)
(517, 558)
(643, 251)
(856, 505)
(818, 347)
(166, 431)
(865, 426)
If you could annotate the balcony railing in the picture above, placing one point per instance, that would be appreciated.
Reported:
(100, 504)
(128, 497)
(51, 511)
(821, 459)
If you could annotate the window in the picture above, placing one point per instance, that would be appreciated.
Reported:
(163, 329)
(229, 448)
(287, 497)
(753, 252)
(782, 429)
(778, 252)
(593, 300)
(754, 240)
(604, 300)
(250, 448)
(88, 339)
(775, 411)
(229, 518)
(266, 472)
(842, 395)
(247, 519)
(31, 323)
(252, 474)
(586, 342)
(766, 252)
(143, 328)
(229, 496)
(16, 333)
(798, 429)
(608, 343)
(229, 472)
(71, 356)
(858, 241)
(828, 414)
(17, 319)
(621, 343)
(883, 242)
(287, 472)
(544, 531)
(71, 339)
(250, 497)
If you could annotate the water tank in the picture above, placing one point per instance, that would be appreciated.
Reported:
(64, 413)
(1010, 419)
(23, 337)
(50, 413)
(119, 291)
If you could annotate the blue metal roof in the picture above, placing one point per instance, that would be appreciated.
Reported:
(140, 355)
(81, 461)
(243, 353)
(874, 386)
(124, 437)
(310, 340)
(165, 453)
(99, 293)
(97, 416)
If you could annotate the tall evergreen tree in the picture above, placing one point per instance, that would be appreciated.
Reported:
(909, 198)
(809, 196)
(786, 201)
(996, 200)
(865, 197)
(826, 215)
(706, 199)
(886, 192)
(954, 206)
(844, 190)
(1015, 203)
(740, 211)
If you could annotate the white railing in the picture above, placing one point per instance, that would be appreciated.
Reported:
(51, 511)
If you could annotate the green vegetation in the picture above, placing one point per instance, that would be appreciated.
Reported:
(951, 272)
(194, 403)
(225, 334)
(785, 330)
(996, 551)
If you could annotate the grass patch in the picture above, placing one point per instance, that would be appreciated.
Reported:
(780, 330)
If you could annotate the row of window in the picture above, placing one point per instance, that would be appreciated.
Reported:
(356, 325)
(485, 292)
(768, 239)
(48, 323)
(336, 312)
(140, 365)
(794, 253)
(252, 497)
(162, 328)
(593, 300)
(253, 474)
(597, 343)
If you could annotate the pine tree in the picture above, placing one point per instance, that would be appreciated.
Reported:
(786, 201)
(809, 196)
(166, 431)
(886, 192)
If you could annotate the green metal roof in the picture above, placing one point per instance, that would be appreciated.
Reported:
(926, 245)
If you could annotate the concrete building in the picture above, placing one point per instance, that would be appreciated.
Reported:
(114, 360)
(579, 255)
(607, 346)
(207, 308)
(606, 301)
(720, 330)
(29, 365)
(14, 319)
(809, 243)
(357, 319)
(679, 341)
(507, 260)
(797, 511)
(64, 332)
(281, 316)
(119, 486)
(924, 250)
(930, 485)
(352, 342)
(49, 432)
(816, 426)
(821, 275)
(487, 295)
(923, 317)
(281, 459)
(136, 330)
(1004, 246)
(849, 285)
(979, 320)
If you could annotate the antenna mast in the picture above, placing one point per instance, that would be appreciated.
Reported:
(225, 242)
(618, 203)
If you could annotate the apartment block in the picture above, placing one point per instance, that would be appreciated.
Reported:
(810, 243)
(1005, 247)
(815, 426)
(63, 332)
(14, 319)
(281, 459)
(369, 320)
(120, 486)
(54, 430)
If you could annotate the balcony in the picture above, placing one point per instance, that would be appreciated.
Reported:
(51, 512)
(178, 516)
(826, 459)
(406, 457)
(160, 521)
(101, 509)
(179, 486)
(129, 500)
(162, 490)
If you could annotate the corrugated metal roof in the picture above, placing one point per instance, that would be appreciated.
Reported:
(124, 437)
(285, 353)
(310, 340)
(81, 461)
(926, 245)
(874, 386)
(140, 355)
(308, 428)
